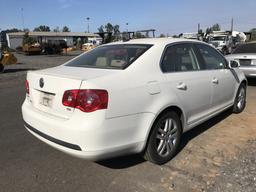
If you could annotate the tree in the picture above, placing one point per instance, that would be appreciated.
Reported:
(42, 28)
(116, 30)
(27, 39)
(101, 29)
(26, 30)
(162, 35)
(109, 28)
(56, 29)
(65, 29)
(13, 30)
(138, 35)
(216, 27)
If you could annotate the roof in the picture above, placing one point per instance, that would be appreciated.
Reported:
(52, 34)
(163, 41)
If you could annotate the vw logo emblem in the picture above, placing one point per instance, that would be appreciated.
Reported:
(41, 82)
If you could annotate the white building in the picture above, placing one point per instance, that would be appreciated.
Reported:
(14, 40)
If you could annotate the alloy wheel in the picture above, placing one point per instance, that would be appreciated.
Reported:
(166, 137)
(241, 98)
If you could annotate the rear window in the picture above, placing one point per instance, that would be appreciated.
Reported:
(110, 56)
(219, 38)
(246, 48)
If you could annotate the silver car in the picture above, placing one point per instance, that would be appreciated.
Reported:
(245, 55)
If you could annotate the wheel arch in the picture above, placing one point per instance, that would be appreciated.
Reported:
(244, 81)
(174, 108)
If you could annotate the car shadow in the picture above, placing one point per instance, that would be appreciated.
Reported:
(193, 133)
(251, 81)
(122, 162)
(132, 160)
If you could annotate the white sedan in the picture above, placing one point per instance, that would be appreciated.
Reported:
(137, 96)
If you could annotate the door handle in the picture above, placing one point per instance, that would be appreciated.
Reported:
(215, 80)
(182, 86)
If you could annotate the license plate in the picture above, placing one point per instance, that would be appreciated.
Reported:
(46, 100)
(245, 62)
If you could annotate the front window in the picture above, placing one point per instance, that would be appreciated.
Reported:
(212, 58)
(110, 56)
(246, 48)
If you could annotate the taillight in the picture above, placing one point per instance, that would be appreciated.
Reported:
(87, 100)
(69, 98)
(27, 87)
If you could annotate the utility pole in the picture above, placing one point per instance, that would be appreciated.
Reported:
(88, 26)
(127, 27)
(198, 27)
(232, 25)
(22, 19)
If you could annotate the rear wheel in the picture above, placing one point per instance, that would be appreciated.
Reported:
(1, 68)
(164, 138)
(240, 100)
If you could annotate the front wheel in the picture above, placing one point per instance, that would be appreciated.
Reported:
(164, 138)
(240, 100)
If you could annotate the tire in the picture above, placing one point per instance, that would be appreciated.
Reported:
(240, 100)
(1, 68)
(164, 138)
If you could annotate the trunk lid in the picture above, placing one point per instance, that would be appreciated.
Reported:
(48, 86)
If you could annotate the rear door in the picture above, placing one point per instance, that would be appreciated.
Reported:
(185, 78)
(223, 81)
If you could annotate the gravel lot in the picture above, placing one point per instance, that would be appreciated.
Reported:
(240, 173)
(218, 155)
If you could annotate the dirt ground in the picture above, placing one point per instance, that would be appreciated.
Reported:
(213, 156)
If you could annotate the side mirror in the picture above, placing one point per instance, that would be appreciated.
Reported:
(233, 64)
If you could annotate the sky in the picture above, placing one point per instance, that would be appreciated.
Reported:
(166, 16)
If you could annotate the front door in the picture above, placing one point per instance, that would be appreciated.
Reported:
(223, 80)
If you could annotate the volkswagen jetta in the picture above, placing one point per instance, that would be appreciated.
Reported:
(137, 96)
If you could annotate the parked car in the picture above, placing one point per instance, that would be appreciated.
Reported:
(245, 55)
(137, 96)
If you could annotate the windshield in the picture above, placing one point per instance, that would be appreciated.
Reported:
(219, 38)
(110, 56)
(246, 48)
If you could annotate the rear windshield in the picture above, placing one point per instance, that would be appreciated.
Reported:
(219, 38)
(246, 48)
(110, 56)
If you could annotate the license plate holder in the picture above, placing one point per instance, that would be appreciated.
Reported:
(46, 100)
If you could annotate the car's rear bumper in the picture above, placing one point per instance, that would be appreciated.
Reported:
(52, 139)
(92, 138)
